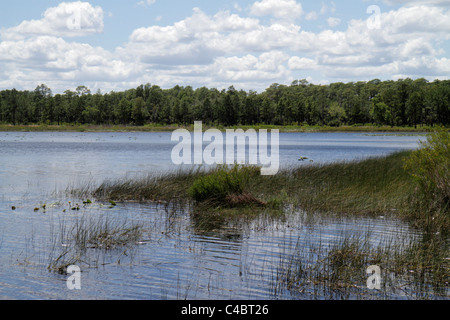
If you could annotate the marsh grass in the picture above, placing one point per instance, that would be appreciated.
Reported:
(414, 269)
(172, 187)
(380, 186)
(429, 167)
(75, 241)
(225, 186)
(374, 186)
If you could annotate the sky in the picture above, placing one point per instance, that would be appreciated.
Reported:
(116, 45)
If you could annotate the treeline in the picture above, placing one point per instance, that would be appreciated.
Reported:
(404, 102)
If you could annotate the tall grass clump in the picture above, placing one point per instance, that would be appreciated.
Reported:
(429, 166)
(225, 185)
(218, 184)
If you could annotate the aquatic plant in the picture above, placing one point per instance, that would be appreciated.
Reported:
(379, 185)
(225, 185)
(85, 235)
(429, 166)
(416, 268)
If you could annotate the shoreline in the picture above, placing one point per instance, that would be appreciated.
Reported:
(165, 128)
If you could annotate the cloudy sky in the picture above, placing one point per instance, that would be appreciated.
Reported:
(120, 44)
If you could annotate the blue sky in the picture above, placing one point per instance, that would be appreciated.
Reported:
(120, 44)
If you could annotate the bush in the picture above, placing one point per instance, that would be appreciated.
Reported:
(429, 165)
(221, 183)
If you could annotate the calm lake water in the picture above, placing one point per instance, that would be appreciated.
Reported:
(175, 259)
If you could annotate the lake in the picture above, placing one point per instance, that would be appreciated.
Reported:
(175, 258)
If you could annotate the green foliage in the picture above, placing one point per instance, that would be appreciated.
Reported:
(429, 165)
(394, 103)
(336, 115)
(381, 113)
(220, 183)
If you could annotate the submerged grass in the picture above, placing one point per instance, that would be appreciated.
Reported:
(408, 269)
(74, 242)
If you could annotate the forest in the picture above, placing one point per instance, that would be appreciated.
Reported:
(403, 102)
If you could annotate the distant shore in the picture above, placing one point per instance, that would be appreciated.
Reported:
(165, 127)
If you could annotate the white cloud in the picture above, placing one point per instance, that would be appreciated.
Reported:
(301, 63)
(145, 3)
(282, 9)
(267, 66)
(68, 19)
(407, 44)
(333, 22)
(327, 8)
(197, 39)
(444, 3)
(311, 16)
(419, 19)
(237, 7)
(264, 38)
(227, 49)
(60, 64)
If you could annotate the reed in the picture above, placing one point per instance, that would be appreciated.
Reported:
(429, 167)
(410, 184)
(375, 186)
(417, 269)
(372, 186)
(75, 241)
(170, 187)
